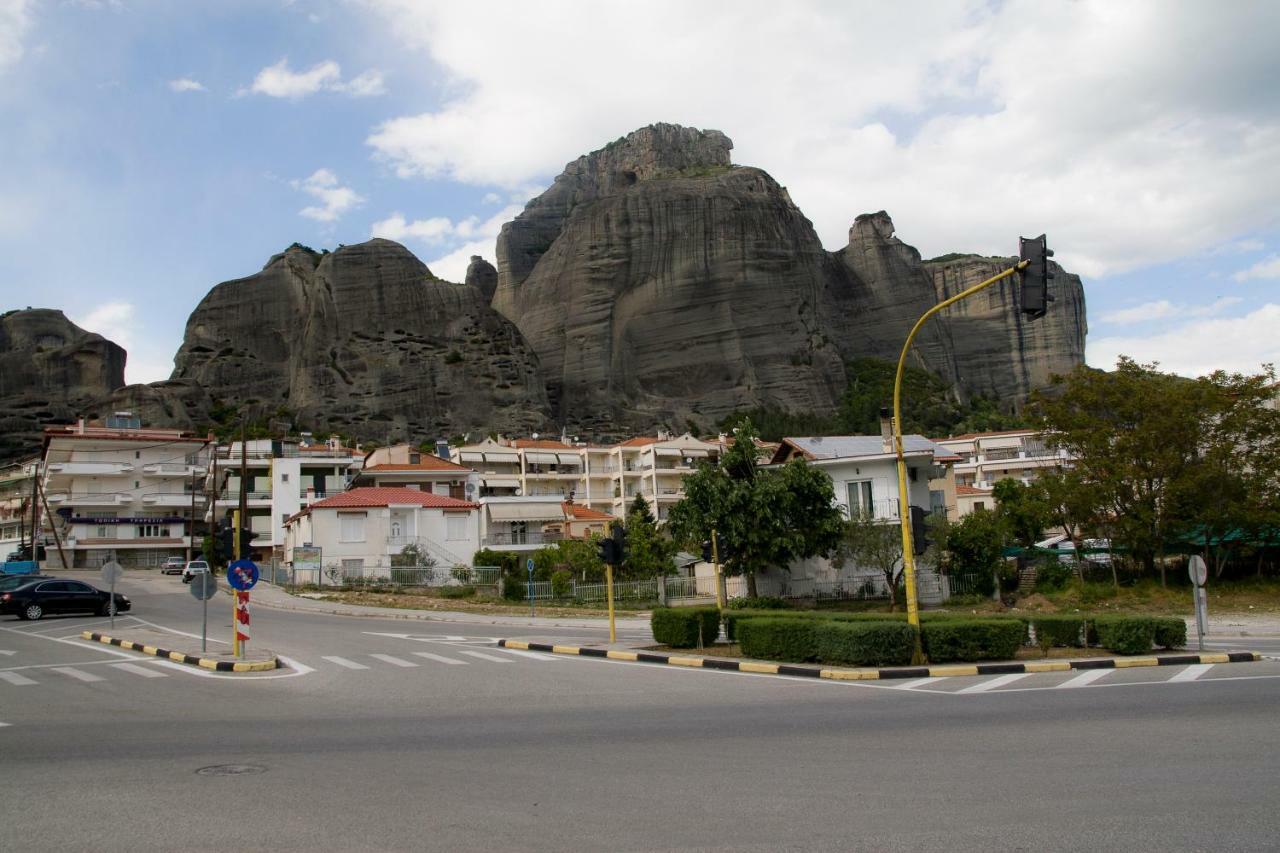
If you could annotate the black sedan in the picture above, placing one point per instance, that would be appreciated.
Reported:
(54, 595)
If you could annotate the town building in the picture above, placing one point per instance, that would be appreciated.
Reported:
(986, 458)
(120, 490)
(17, 491)
(406, 467)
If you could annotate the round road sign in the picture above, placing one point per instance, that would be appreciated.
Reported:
(203, 586)
(1198, 570)
(112, 572)
(242, 575)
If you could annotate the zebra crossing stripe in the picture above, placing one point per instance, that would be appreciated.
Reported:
(483, 656)
(79, 674)
(16, 679)
(440, 658)
(394, 660)
(1192, 672)
(139, 670)
(998, 681)
(1087, 677)
(349, 664)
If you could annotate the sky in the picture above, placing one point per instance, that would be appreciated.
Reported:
(149, 150)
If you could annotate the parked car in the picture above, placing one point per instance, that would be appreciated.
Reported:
(172, 566)
(193, 568)
(8, 582)
(34, 599)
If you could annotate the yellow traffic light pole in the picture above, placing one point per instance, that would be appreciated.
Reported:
(904, 515)
(235, 634)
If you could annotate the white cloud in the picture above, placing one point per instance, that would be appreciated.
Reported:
(1163, 309)
(279, 81)
(966, 138)
(335, 199)
(478, 234)
(119, 323)
(1194, 349)
(186, 84)
(15, 20)
(1267, 268)
(395, 227)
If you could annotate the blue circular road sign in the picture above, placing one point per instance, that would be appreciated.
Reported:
(242, 575)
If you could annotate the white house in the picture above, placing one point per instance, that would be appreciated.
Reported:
(360, 531)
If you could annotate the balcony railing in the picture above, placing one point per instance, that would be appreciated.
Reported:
(173, 469)
(514, 538)
(84, 499)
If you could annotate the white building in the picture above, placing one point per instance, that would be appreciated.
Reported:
(361, 531)
(16, 492)
(406, 467)
(282, 477)
(117, 489)
(986, 458)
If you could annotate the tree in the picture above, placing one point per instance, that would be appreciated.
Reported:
(869, 542)
(640, 507)
(1022, 509)
(1072, 504)
(412, 557)
(972, 545)
(650, 553)
(762, 517)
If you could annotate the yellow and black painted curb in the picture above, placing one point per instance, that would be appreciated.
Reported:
(179, 657)
(882, 674)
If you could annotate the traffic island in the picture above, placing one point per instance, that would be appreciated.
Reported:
(885, 673)
(254, 661)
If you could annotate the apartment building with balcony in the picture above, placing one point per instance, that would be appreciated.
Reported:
(655, 468)
(986, 458)
(404, 466)
(16, 493)
(281, 477)
(120, 490)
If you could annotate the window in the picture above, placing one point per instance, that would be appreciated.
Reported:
(351, 526)
(415, 458)
(153, 531)
(860, 502)
(979, 504)
(284, 478)
(456, 527)
(106, 531)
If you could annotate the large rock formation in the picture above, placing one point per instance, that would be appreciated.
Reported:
(364, 340)
(658, 283)
(51, 371)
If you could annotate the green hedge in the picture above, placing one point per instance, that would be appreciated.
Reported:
(1126, 635)
(973, 639)
(732, 617)
(761, 602)
(865, 643)
(1061, 631)
(779, 638)
(1171, 632)
(681, 627)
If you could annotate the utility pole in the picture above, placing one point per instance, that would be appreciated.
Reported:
(191, 522)
(35, 511)
(244, 487)
(213, 500)
(56, 538)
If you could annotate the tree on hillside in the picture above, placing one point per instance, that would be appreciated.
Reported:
(762, 517)
(869, 542)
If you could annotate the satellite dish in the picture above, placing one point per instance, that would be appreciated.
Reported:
(471, 489)
(518, 492)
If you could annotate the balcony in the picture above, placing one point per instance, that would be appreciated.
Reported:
(66, 499)
(91, 469)
(173, 469)
(517, 538)
(180, 499)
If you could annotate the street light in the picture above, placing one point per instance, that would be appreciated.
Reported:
(1037, 281)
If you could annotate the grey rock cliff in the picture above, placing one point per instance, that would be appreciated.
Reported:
(482, 276)
(51, 371)
(365, 340)
(658, 283)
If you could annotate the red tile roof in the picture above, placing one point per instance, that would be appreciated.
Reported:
(585, 513)
(641, 441)
(541, 443)
(428, 463)
(383, 496)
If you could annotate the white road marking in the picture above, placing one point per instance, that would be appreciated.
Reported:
(1085, 678)
(2, 725)
(297, 665)
(14, 678)
(7, 652)
(521, 653)
(1192, 672)
(76, 673)
(994, 683)
(145, 672)
(393, 660)
(349, 664)
(913, 683)
(484, 656)
(440, 658)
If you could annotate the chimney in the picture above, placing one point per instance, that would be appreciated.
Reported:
(886, 430)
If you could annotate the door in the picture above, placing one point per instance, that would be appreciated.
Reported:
(81, 597)
(52, 596)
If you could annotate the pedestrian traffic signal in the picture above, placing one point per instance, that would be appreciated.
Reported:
(1035, 277)
(224, 543)
(706, 551)
(605, 551)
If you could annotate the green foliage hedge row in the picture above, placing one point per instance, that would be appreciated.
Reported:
(733, 617)
(1120, 634)
(685, 627)
(865, 643)
(780, 638)
(972, 639)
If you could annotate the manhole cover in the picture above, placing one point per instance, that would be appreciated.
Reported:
(231, 770)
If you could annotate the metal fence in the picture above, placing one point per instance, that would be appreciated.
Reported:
(968, 584)
(337, 575)
(591, 593)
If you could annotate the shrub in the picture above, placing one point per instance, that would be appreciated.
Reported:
(1059, 631)
(760, 602)
(865, 643)
(779, 638)
(465, 591)
(685, 627)
(733, 617)
(973, 639)
(1052, 574)
(561, 583)
(1171, 633)
(1126, 635)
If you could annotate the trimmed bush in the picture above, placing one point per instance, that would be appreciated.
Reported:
(682, 627)
(973, 639)
(465, 591)
(779, 638)
(732, 617)
(1171, 632)
(1061, 631)
(865, 643)
(1126, 635)
(761, 602)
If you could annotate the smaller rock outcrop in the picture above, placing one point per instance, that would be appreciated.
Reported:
(482, 276)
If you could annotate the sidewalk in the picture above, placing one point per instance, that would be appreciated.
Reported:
(1238, 625)
(267, 595)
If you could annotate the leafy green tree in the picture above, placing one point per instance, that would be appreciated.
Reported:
(869, 542)
(640, 507)
(973, 545)
(650, 552)
(1072, 504)
(1023, 510)
(763, 517)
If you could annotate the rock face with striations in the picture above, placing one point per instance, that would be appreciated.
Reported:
(659, 283)
(51, 371)
(364, 340)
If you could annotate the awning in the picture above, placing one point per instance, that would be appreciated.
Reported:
(541, 458)
(471, 456)
(501, 456)
(526, 512)
(668, 451)
(569, 458)
(502, 482)
(695, 451)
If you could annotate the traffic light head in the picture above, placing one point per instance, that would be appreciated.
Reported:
(706, 551)
(620, 551)
(605, 550)
(1035, 277)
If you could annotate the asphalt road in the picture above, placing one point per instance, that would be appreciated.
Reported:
(395, 735)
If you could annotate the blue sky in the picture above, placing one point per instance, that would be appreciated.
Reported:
(151, 150)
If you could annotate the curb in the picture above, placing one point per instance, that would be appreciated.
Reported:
(882, 674)
(179, 657)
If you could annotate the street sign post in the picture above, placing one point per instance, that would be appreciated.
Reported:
(202, 592)
(242, 576)
(112, 572)
(1199, 573)
(528, 564)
